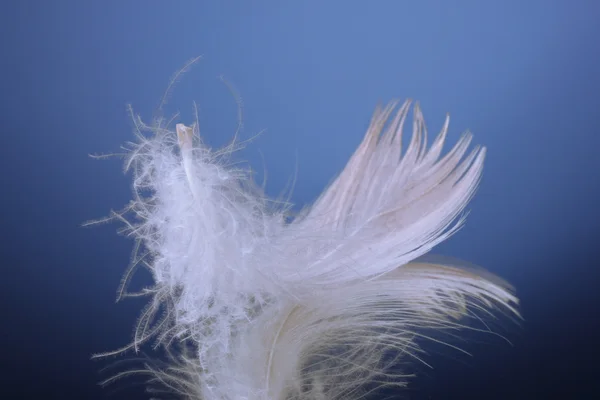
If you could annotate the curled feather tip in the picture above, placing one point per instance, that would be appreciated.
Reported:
(324, 307)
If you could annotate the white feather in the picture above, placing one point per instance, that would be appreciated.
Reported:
(313, 309)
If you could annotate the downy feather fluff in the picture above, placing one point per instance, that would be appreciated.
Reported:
(252, 306)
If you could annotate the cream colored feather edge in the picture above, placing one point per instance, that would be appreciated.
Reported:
(252, 306)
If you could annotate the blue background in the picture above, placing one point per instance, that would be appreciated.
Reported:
(522, 75)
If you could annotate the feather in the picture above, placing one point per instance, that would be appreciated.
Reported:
(326, 306)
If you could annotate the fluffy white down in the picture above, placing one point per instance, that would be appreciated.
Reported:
(323, 307)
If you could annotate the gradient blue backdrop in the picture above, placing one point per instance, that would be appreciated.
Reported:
(522, 75)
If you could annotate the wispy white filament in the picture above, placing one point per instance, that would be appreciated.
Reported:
(253, 307)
